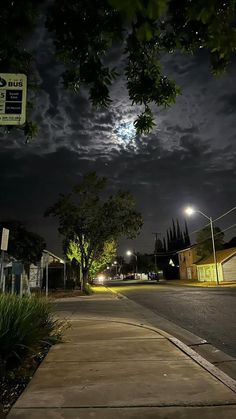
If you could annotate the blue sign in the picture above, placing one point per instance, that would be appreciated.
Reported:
(17, 268)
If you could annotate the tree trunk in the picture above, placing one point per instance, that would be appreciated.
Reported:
(85, 276)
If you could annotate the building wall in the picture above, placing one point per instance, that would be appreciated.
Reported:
(187, 260)
(229, 269)
(208, 273)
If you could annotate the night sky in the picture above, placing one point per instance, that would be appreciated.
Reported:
(189, 158)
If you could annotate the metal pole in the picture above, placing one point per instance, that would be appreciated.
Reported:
(136, 264)
(155, 256)
(46, 285)
(21, 285)
(64, 275)
(12, 283)
(214, 251)
(2, 270)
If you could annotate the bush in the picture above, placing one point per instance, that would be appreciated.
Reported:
(26, 325)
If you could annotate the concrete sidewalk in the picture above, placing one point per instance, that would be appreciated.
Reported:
(114, 364)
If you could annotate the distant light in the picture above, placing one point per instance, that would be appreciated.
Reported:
(171, 262)
(189, 211)
(101, 278)
(129, 253)
(115, 263)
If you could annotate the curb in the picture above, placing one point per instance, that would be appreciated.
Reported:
(211, 368)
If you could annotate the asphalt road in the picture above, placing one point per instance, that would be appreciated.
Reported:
(209, 313)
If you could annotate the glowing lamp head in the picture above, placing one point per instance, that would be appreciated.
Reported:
(189, 211)
(129, 253)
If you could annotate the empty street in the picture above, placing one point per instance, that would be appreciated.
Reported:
(209, 313)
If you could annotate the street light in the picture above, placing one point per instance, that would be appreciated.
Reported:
(129, 253)
(114, 264)
(190, 211)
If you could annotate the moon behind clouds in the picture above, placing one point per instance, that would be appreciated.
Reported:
(125, 132)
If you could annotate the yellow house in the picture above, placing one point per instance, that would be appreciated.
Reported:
(226, 266)
(187, 263)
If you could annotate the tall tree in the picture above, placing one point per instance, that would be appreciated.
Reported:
(231, 243)
(180, 242)
(171, 239)
(86, 31)
(204, 241)
(164, 244)
(168, 240)
(90, 221)
(106, 255)
(174, 231)
(187, 241)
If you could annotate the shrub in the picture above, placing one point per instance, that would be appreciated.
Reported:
(26, 325)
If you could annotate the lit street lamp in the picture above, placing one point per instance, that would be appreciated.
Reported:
(129, 253)
(115, 264)
(190, 211)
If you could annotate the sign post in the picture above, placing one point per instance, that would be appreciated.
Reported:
(13, 89)
(4, 246)
(46, 285)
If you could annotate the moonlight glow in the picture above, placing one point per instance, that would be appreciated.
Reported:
(125, 132)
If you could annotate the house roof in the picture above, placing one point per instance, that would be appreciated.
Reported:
(187, 248)
(221, 256)
(54, 256)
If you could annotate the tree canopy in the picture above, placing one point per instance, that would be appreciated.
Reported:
(90, 221)
(86, 31)
(204, 241)
(23, 245)
(106, 255)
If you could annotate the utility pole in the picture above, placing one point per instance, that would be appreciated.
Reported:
(155, 255)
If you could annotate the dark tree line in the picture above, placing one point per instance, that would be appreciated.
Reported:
(176, 239)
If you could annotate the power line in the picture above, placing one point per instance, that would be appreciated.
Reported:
(193, 232)
(226, 213)
(167, 253)
(213, 221)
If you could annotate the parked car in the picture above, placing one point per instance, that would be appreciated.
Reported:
(127, 277)
(99, 280)
(153, 276)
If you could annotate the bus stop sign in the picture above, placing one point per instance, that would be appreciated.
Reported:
(12, 99)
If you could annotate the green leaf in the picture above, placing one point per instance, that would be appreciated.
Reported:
(129, 8)
(145, 32)
(145, 122)
(157, 8)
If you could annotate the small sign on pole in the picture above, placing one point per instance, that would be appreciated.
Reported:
(12, 99)
(4, 246)
(5, 237)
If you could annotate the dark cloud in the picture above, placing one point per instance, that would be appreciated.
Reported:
(188, 158)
